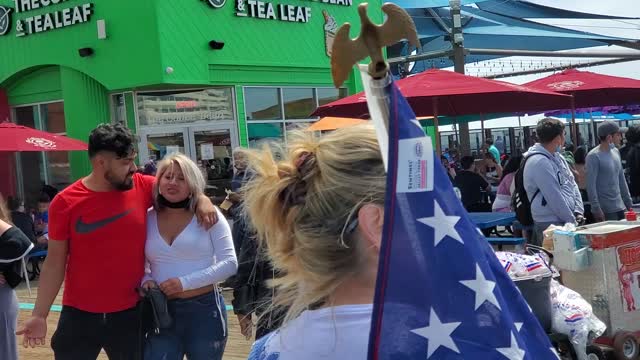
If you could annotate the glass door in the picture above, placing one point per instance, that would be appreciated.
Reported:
(157, 143)
(212, 149)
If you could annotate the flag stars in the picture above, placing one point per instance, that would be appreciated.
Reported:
(438, 334)
(518, 326)
(443, 225)
(513, 352)
(483, 289)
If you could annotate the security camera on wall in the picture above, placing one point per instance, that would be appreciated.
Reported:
(216, 45)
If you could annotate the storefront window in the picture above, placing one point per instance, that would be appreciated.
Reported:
(298, 103)
(53, 118)
(327, 95)
(185, 107)
(269, 110)
(58, 166)
(298, 125)
(35, 169)
(260, 133)
(30, 164)
(262, 103)
(119, 109)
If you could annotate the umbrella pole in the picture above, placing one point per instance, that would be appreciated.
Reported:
(593, 129)
(455, 130)
(437, 134)
(436, 131)
(574, 128)
(482, 128)
(522, 142)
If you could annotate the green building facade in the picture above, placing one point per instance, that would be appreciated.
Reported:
(196, 76)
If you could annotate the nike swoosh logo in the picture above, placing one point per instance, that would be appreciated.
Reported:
(85, 228)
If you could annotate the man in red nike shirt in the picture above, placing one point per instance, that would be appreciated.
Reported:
(97, 232)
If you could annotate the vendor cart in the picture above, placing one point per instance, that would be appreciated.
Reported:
(602, 263)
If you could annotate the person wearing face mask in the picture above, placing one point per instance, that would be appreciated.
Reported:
(548, 180)
(606, 184)
(186, 261)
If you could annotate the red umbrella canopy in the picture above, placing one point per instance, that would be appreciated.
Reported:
(591, 89)
(21, 138)
(441, 92)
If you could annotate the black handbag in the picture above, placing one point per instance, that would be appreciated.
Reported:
(156, 301)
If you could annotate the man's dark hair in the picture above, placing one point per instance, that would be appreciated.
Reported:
(548, 129)
(580, 156)
(466, 162)
(633, 134)
(488, 141)
(44, 198)
(116, 139)
(570, 148)
(13, 203)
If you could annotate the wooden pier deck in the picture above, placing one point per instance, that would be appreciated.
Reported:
(237, 347)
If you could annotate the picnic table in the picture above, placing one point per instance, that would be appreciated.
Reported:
(487, 220)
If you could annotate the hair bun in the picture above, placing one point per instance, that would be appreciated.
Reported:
(294, 194)
(305, 164)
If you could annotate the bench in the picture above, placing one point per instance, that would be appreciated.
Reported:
(517, 242)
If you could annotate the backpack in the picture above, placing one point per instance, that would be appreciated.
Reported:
(519, 200)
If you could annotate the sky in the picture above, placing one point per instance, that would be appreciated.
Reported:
(621, 28)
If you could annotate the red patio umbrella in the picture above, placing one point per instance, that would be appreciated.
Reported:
(21, 138)
(440, 92)
(590, 89)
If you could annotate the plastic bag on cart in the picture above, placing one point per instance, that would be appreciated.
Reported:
(573, 316)
(521, 265)
(547, 234)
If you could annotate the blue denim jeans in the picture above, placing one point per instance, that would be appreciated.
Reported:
(199, 330)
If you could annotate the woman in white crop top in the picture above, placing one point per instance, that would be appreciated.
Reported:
(186, 261)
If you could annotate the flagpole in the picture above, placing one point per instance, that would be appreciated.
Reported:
(378, 108)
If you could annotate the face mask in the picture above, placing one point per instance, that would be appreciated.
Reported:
(558, 148)
(184, 204)
(612, 145)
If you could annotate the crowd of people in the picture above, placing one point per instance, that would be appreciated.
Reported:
(121, 240)
(563, 184)
(301, 256)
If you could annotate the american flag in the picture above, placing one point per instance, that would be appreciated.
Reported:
(441, 292)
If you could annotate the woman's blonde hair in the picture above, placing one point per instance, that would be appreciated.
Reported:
(5, 215)
(192, 175)
(304, 209)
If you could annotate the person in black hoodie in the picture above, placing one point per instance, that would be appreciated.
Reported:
(630, 154)
(251, 295)
(14, 246)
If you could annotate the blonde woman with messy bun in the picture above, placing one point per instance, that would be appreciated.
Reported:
(320, 213)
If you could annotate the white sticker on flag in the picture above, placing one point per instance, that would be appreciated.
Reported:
(415, 165)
